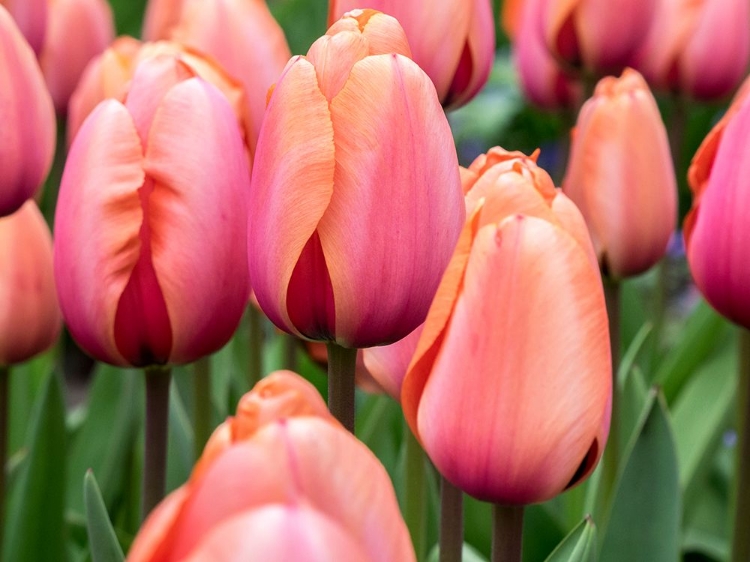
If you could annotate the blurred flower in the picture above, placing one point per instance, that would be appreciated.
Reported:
(356, 200)
(150, 229)
(510, 17)
(698, 47)
(453, 41)
(621, 176)
(27, 117)
(282, 480)
(387, 364)
(160, 17)
(509, 391)
(30, 318)
(77, 31)
(716, 229)
(31, 18)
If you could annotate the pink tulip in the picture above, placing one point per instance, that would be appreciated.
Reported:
(27, 286)
(453, 41)
(387, 364)
(150, 258)
(27, 117)
(31, 19)
(160, 17)
(356, 199)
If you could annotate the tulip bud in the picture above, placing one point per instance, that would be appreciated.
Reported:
(27, 286)
(354, 154)
(150, 258)
(387, 364)
(160, 18)
(700, 48)
(282, 480)
(27, 117)
(77, 31)
(31, 18)
(453, 41)
(621, 176)
(520, 316)
(716, 229)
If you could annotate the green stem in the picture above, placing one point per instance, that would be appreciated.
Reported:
(255, 346)
(202, 403)
(451, 522)
(157, 425)
(341, 365)
(507, 533)
(415, 492)
(4, 400)
(741, 540)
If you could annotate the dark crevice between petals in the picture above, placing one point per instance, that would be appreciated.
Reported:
(461, 78)
(586, 466)
(567, 43)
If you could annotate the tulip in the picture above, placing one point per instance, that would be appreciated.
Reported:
(280, 481)
(160, 17)
(599, 35)
(510, 17)
(387, 364)
(452, 40)
(77, 30)
(31, 18)
(701, 48)
(621, 175)
(150, 258)
(509, 391)
(355, 151)
(27, 287)
(28, 120)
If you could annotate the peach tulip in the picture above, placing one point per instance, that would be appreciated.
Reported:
(160, 17)
(77, 31)
(621, 176)
(716, 229)
(27, 117)
(509, 391)
(600, 36)
(355, 200)
(150, 258)
(510, 17)
(27, 286)
(698, 47)
(282, 480)
(452, 40)
(31, 18)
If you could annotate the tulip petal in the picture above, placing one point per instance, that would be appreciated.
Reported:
(396, 208)
(97, 226)
(198, 217)
(333, 57)
(149, 544)
(291, 187)
(526, 352)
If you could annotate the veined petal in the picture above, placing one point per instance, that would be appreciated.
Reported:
(397, 206)
(97, 223)
(333, 57)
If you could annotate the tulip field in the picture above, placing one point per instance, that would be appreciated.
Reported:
(374, 281)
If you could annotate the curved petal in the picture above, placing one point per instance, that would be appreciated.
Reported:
(519, 389)
(31, 18)
(97, 224)
(333, 57)
(396, 209)
(198, 217)
(148, 544)
(387, 364)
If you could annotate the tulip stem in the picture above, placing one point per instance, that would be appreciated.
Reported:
(341, 365)
(202, 403)
(157, 424)
(507, 533)
(451, 522)
(415, 492)
(741, 538)
(255, 347)
(4, 400)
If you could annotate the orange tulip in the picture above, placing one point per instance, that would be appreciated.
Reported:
(509, 391)
(355, 152)
(621, 176)
(27, 117)
(282, 480)
(31, 19)
(698, 47)
(27, 286)
(453, 41)
(510, 17)
(151, 222)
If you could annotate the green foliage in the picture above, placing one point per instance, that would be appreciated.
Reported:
(102, 539)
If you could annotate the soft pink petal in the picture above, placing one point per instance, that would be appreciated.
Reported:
(333, 58)
(31, 18)
(388, 363)
(160, 17)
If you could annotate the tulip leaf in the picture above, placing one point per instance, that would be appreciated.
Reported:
(578, 546)
(644, 520)
(35, 523)
(180, 451)
(102, 539)
(26, 383)
(627, 362)
(468, 554)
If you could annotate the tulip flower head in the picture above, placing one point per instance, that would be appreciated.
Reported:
(27, 117)
(282, 480)
(355, 201)
(150, 258)
(620, 174)
(452, 40)
(31, 18)
(509, 390)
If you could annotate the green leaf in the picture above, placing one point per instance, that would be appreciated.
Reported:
(102, 539)
(644, 522)
(468, 554)
(180, 451)
(578, 546)
(35, 512)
